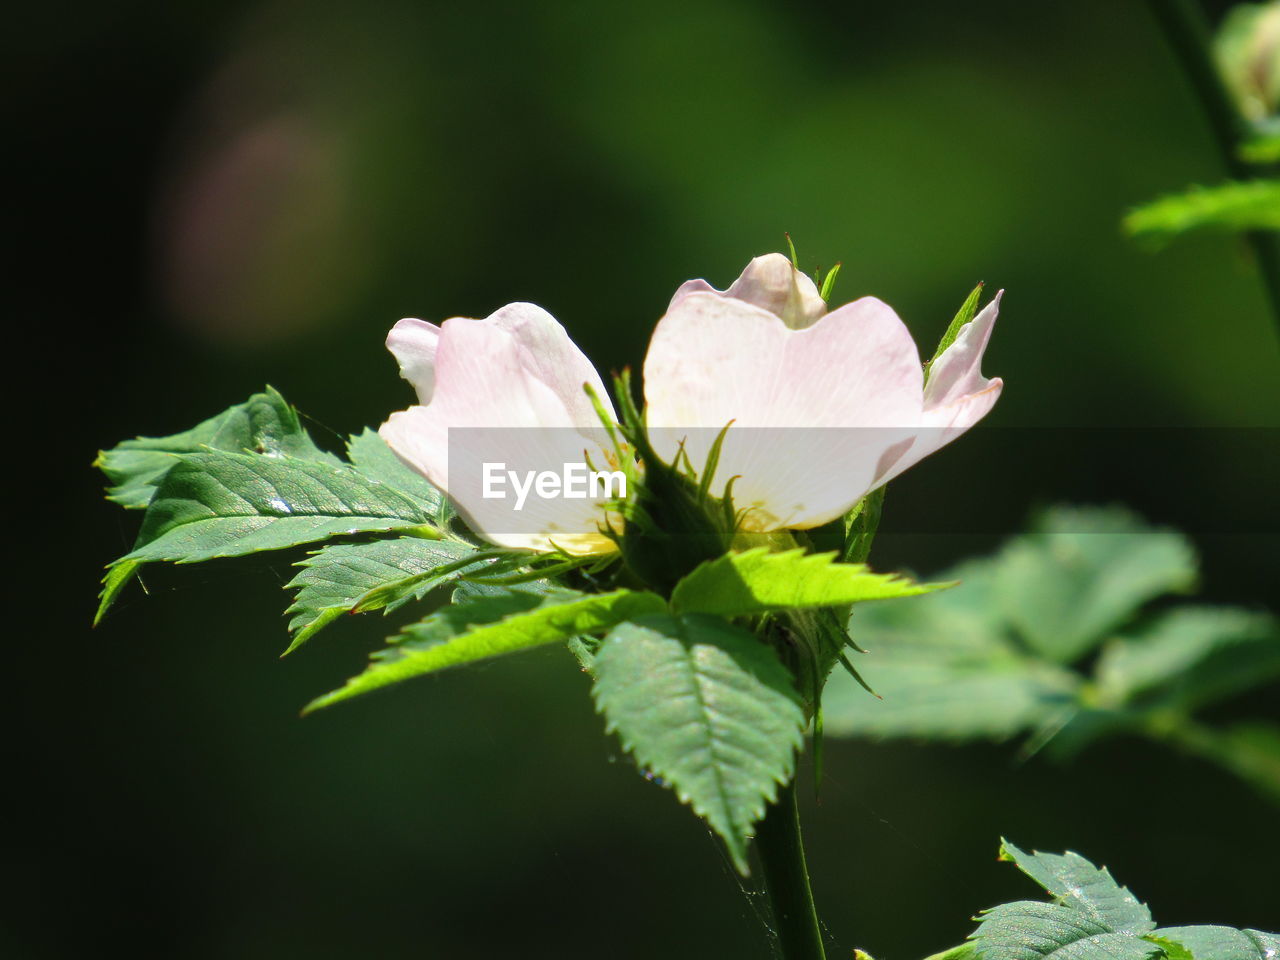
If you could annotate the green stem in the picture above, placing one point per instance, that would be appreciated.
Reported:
(786, 879)
(1188, 34)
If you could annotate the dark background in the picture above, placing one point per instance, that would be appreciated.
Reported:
(211, 196)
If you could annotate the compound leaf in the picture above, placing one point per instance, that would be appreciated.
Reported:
(332, 579)
(707, 707)
(216, 504)
(1224, 943)
(488, 625)
(371, 456)
(1076, 882)
(1028, 930)
(264, 424)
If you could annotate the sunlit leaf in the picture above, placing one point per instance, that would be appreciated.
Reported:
(758, 581)
(485, 626)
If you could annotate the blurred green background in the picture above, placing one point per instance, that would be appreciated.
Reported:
(212, 196)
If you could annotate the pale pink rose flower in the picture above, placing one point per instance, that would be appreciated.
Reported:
(825, 407)
(518, 377)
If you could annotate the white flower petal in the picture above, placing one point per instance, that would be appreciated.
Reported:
(413, 343)
(546, 351)
(499, 411)
(815, 410)
(957, 395)
(958, 372)
(773, 284)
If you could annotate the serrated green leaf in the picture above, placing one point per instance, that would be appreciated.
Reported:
(707, 707)
(1189, 657)
(213, 505)
(332, 579)
(1224, 943)
(263, 424)
(118, 577)
(395, 593)
(1077, 883)
(757, 581)
(489, 626)
(1172, 951)
(1084, 573)
(1229, 207)
(1027, 930)
(371, 456)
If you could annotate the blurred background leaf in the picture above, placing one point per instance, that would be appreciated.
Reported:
(987, 659)
(1253, 205)
(212, 196)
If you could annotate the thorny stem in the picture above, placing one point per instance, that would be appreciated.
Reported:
(1188, 34)
(786, 879)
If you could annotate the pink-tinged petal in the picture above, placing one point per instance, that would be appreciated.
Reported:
(815, 411)
(773, 284)
(693, 286)
(496, 410)
(958, 372)
(413, 343)
(957, 395)
(546, 351)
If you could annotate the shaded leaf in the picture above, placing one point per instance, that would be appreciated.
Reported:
(1224, 943)
(227, 505)
(489, 626)
(332, 579)
(1027, 930)
(263, 424)
(707, 707)
(371, 456)
(1077, 883)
